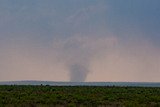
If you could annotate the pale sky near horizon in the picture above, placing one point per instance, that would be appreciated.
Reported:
(80, 40)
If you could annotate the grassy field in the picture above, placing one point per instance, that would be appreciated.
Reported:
(78, 96)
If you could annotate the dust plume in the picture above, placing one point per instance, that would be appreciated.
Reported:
(92, 57)
(78, 73)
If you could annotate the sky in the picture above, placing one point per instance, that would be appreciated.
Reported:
(80, 40)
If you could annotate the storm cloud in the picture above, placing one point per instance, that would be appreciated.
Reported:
(79, 41)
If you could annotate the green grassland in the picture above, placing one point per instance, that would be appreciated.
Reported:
(78, 96)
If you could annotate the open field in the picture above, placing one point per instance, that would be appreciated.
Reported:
(81, 96)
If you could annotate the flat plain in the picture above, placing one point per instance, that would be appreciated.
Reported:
(78, 96)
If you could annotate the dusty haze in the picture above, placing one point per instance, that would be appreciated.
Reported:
(89, 41)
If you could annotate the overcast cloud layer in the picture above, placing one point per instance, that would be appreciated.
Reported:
(80, 40)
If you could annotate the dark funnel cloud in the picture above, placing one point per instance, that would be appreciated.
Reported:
(75, 54)
(78, 72)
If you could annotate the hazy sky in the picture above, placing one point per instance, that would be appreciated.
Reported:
(80, 40)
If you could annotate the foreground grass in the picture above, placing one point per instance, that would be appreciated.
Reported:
(69, 96)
